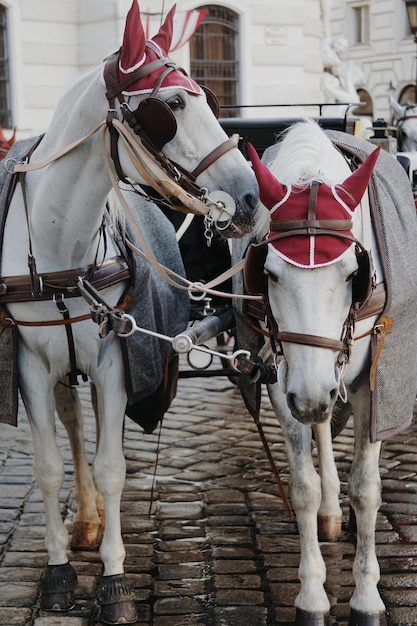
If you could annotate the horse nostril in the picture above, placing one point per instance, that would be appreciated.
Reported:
(333, 395)
(251, 200)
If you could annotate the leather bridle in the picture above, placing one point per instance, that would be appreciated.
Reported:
(364, 282)
(154, 112)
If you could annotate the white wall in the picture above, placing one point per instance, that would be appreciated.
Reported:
(389, 57)
(53, 41)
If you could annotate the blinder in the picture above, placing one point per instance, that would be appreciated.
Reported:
(254, 278)
(212, 101)
(363, 280)
(155, 121)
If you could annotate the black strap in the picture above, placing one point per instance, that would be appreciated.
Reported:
(74, 371)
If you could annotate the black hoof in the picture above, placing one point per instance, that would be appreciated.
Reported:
(357, 618)
(57, 586)
(304, 618)
(116, 600)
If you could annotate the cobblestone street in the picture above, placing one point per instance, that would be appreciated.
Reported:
(215, 547)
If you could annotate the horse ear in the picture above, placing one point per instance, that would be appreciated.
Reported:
(396, 107)
(133, 47)
(271, 190)
(357, 183)
(163, 38)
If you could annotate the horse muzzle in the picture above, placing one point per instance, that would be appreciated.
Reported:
(309, 416)
(242, 220)
(304, 408)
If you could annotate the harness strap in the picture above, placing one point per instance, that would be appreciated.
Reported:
(274, 469)
(29, 167)
(310, 224)
(406, 117)
(8, 321)
(19, 288)
(74, 372)
(215, 154)
(312, 201)
(311, 340)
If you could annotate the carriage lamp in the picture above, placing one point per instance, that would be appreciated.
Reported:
(411, 6)
(383, 136)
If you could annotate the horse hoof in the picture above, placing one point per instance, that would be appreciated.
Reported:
(57, 586)
(357, 618)
(116, 600)
(329, 527)
(86, 535)
(304, 618)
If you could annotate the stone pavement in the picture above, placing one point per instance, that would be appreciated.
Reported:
(215, 546)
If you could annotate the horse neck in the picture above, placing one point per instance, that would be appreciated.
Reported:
(67, 198)
(408, 144)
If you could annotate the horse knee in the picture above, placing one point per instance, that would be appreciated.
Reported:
(363, 499)
(49, 473)
(305, 491)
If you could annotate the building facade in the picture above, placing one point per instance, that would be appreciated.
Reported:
(277, 50)
(49, 42)
(381, 44)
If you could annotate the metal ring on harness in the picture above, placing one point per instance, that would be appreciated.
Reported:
(198, 286)
(7, 167)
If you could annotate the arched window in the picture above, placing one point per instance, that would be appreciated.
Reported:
(213, 55)
(5, 105)
(408, 94)
(367, 108)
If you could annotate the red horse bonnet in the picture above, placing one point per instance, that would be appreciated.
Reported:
(336, 202)
(136, 54)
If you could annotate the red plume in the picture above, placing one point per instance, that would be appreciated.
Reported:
(133, 47)
(163, 38)
(356, 184)
(271, 191)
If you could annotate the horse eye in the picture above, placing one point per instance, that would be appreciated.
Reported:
(272, 277)
(175, 103)
(352, 276)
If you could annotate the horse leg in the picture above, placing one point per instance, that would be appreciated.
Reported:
(330, 513)
(88, 522)
(114, 594)
(58, 579)
(365, 498)
(312, 603)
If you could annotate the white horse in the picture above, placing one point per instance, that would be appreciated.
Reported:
(406, 118)
(317, 236)
(55, 223)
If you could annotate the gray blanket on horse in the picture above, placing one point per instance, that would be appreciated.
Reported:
(151, 367)
(9, 334)
(394, 216)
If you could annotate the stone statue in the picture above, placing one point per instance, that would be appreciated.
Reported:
(340, 76)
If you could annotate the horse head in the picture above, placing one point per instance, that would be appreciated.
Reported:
(406, 118)
(176, 121)
(312, 262)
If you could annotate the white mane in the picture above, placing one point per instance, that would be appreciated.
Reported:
(304, 154)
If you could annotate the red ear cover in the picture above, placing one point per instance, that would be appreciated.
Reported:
(356, 184)
(271, 191)
(133, 47)
(163, 38)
